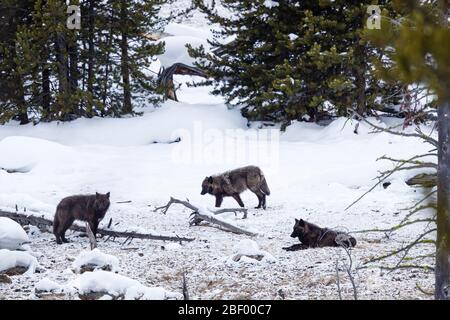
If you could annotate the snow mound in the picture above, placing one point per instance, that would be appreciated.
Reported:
(248, 251)
(47, 285)
(97, 259)
(12, 235)
(26, 152)
(11, 259)
(176, 50)
(117, 285)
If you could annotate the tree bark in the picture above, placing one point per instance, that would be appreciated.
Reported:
(125, 67)
(442, 273)
(46, 90)
(62, 63)
(74, 74)
(91, 50)
(360, 80)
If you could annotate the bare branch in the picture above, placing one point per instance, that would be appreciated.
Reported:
(92, 240)
(418, 134)
(197, 216)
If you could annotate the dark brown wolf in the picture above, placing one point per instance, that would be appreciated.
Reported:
(312, 236)
(234, 182)
(90, 208)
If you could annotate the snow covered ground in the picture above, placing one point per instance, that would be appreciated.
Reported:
(313, 172)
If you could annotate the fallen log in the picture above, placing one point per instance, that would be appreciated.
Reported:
(199, 215)
(424, 180)
(43, 224)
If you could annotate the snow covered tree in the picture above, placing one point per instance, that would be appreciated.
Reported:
(291, 59)
(60, 73)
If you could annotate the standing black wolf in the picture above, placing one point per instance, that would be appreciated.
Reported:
(234, 182)
(90, 208)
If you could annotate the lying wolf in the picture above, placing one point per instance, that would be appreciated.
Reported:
(90, 208)
(312, 236)
(234, 182)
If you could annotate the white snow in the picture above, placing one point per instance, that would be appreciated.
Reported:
(118, 285)
(313, 172)
(11, 259)
(292, 36)
(96, 258)
(270, 3)
(173, 246)
(48, 285)
(245, 252)
(176, 51)
(12, 235)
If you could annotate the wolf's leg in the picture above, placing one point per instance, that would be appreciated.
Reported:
(219, 199)
(259, 201)
(264, 201)
(260, 196)
(93, 224)
(66, 225)
(58, 239)
(296, 247)
(237, 197)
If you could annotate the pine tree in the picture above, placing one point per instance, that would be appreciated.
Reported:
(63, 74)
(293, 60)
(13, 15)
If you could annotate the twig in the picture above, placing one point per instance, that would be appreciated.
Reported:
(185, 288)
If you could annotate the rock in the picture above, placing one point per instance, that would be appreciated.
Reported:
(16, 271)
(91, 267)
(96, 296)
(5, 279)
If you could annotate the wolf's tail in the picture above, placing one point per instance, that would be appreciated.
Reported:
(55, 225)
(264, 187)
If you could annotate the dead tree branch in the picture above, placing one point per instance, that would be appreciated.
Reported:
(198, 215)
(43, 224)
(92, 240)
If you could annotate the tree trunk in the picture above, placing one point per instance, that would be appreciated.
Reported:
(18, 92)
(74, 74)
(21, 103)
(360, 80)
(61, 58)
(46, 90)
(442, 273)
(91, 52)
(107, 66)
(125, 68)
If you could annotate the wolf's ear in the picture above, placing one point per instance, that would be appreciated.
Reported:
(210, 179)
(296, 221)
(108, 194)
(301, 222)
(97, 194)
